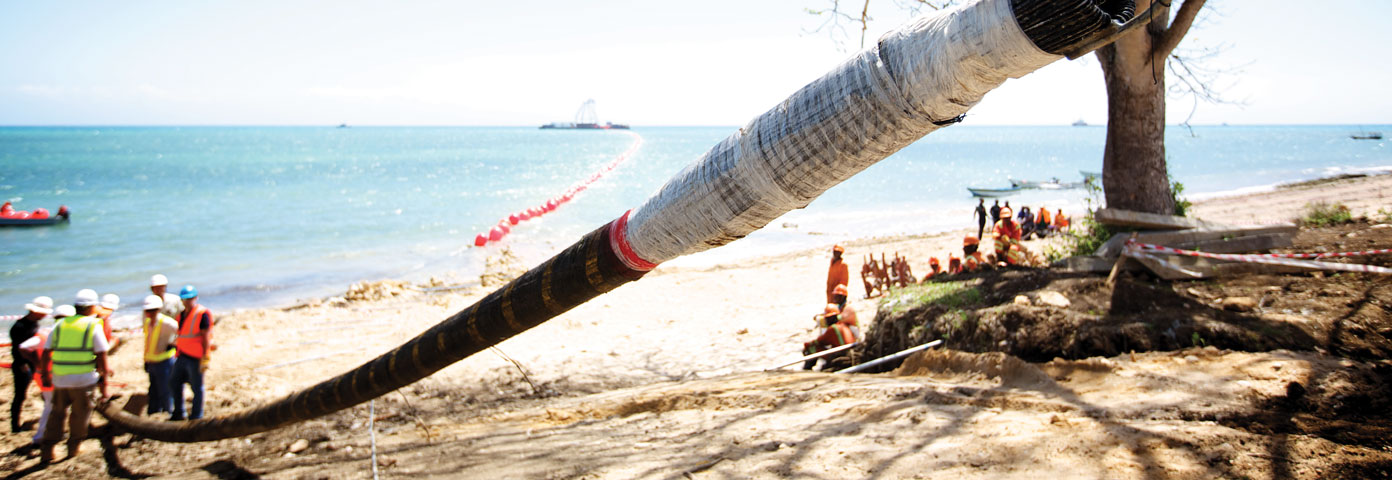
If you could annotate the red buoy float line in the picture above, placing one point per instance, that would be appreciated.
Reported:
(503, 227)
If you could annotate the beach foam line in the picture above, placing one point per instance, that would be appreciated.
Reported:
(1328, 172)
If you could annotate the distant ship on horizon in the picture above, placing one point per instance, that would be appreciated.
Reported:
(586, 119)
(1080, 123)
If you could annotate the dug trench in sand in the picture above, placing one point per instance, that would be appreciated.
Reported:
(918, 78)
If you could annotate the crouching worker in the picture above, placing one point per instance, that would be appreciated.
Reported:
(1006, 237)
(835, 335)
(971, 255)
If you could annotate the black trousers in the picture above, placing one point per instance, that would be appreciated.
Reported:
(23, 374)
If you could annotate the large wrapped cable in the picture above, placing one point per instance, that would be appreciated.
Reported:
(915, 80)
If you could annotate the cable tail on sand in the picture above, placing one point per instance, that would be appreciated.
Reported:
(915, 80)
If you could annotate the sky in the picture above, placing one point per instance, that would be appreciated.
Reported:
(718, 62)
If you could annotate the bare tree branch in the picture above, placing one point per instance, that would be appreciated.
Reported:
(835, 16)
(1177, 30)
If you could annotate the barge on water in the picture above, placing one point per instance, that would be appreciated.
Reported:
(586, 119)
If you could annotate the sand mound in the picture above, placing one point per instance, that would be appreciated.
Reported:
(374, 291)
(960, 367)
(501, 268)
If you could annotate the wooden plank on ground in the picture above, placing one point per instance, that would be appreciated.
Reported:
(1088, 264)
(1209, 239)
(1189, 268)
(1127, 218)
(1247, 244)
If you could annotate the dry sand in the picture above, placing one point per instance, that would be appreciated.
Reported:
(664, 378)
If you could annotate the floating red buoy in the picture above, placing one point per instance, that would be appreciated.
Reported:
(513, 219)
(496, 234)
(504, 227)
(480, 240)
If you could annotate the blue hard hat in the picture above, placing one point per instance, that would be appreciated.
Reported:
(188, 292)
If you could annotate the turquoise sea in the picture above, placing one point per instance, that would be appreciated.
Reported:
(267, 216)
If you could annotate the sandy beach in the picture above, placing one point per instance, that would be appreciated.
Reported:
(666, 378)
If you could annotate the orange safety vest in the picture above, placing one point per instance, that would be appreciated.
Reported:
(38, 372)
(191, 342)
(973, 261)
(104, 316)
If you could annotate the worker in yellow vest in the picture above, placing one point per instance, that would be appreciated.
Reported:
(74, 362)
(161, 332)
(193, 342)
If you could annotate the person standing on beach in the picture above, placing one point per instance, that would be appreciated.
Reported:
(109, 303)
(74, 362)
(159, 285)
(22, 367)
(195, 336)
(980, 215)
(838, 273)
(995, 214)
(32, 349)
(160, 334)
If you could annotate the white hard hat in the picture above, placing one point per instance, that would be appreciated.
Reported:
(158, 280)
(64, 311)
(153, 302)
(86, 298)
(111, 301)
(41, 305)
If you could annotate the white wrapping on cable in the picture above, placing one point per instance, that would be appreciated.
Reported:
(877, 102)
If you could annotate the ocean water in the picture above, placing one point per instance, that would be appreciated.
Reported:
(261, 217)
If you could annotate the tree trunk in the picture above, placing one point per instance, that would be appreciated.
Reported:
(1134, 176)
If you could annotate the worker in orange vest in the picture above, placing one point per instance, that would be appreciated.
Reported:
(848, 314)
(109, 303)
(934, 268)
(193, 345)
(971, 258)
(835, 335)
(838, 273)
(1006, 237)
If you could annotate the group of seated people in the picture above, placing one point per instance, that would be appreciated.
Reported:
(1006, 236)
(1039, 225)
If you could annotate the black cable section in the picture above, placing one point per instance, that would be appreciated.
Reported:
(585, 270)
(1055, 26)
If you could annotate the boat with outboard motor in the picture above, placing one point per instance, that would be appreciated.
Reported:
(9, 217)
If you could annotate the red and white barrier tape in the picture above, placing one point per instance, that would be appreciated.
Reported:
(1137, 249)
(504, 225)
(10, 317)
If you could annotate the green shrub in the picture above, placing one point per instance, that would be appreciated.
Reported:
(952, 295)
(1323, 214)
(1181, 204)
